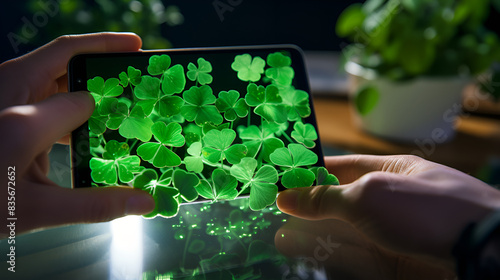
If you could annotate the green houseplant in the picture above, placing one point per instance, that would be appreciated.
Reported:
(413, 48)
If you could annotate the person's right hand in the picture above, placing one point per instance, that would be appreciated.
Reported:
(404, 203)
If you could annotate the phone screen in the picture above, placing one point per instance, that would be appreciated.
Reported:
(197, 124)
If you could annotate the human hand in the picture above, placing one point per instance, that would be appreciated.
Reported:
(33, 115)
(403, 203)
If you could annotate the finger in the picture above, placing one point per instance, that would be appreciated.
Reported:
(55, 55)
(58, 206)
(316, 203)
(351, 167)
(36, 127)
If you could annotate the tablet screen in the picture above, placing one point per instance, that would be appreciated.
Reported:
(198, 124)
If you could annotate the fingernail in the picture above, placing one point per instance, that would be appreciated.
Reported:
(140, 205)
(288, 200)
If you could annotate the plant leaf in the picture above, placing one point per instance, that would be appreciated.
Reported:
(194, 162)
(249, 70)
(197, 107)
(269, 103)
(186, 182)
(166, 203)
(173, 81)
(136, 125)
(280, 70)
(200, 73)
(158, 64)
(305, 134)
(233, 107)
(323, 177)
(101, 90)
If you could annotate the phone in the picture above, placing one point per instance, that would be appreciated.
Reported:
(199, 124)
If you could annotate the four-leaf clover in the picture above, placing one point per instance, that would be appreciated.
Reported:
(200, 73)
(198, 106)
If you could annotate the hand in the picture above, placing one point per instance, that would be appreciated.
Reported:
(405, 204)
(33, 117)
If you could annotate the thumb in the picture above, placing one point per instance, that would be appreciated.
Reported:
(85, 205)
(315, 203)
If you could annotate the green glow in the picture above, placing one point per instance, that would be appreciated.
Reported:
(164, 130)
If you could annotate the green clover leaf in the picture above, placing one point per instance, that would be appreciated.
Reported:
(194, 162)
(165, 197)
(260, 140)
(136, 125)
(97, 123)
(116, 160)
(230, 103)
(173, 80)
(198, 106)
(156, 153)
(186, 182)
(101, 90)
(148, 91)
(267, 102)
(200, 73)
(298, 102)
(117, 111)
(305, 134)
(263, 189)
(323, 178)
(280, 70)
(192, 133)
(169, 106)
(133, 76)
(249, 70)
(218, 146)
(158, 64)
(223, 187)
(292, 158)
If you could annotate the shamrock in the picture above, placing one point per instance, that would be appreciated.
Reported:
(101, 90)
(248, 69)
(218, 146)
(151, 97)
(323, 177)
(194, 162)
(198, 108)
(115, 159)
(186, 182)
(133, 76)
(200, 73)
(267, 102)
(117, 112)
(223, 186)
(172, 79)
(230, 103)
(305, 134)
(292, 158)
(156, 153)
(165, 197)
(263, 140)
(297, 102)
(280, 70)
(263, 189)
(136, 125)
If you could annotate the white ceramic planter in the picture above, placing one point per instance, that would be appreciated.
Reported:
(422, 109)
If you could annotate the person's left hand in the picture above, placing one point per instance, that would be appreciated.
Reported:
(35, 113)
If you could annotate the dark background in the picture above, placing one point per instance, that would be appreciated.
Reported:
(309, 24)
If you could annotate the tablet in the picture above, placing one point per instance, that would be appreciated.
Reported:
(191, 125)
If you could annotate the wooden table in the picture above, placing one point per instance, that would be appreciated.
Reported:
(477, 140)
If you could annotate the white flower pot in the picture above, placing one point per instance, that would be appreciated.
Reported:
(422, 109)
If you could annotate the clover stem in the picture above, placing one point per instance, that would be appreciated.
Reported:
(281, 173)
(249, 120)
(287, 137)
(133, 144)
(225, 167)
(245, 186)
(190, 231)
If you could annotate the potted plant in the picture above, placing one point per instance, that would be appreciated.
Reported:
(409, 61)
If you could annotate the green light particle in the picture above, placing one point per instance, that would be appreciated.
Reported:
(282, 235)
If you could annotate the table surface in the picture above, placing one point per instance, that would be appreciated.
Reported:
(476, 143)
